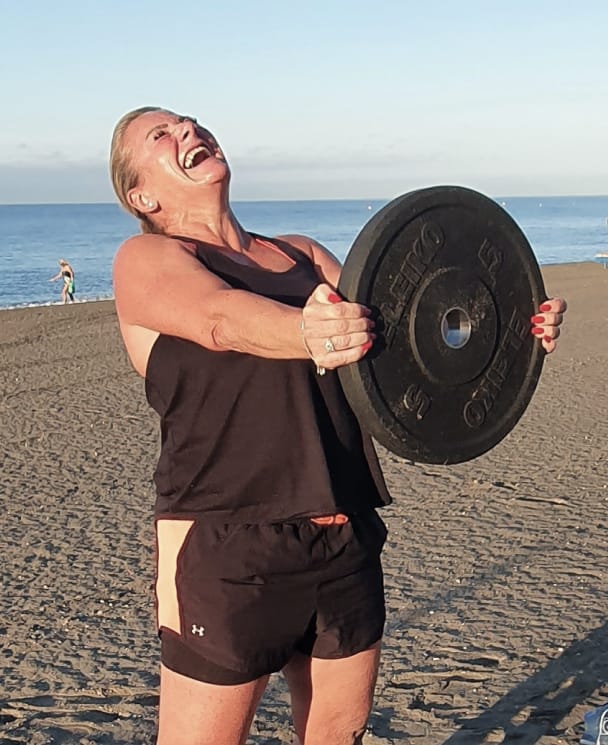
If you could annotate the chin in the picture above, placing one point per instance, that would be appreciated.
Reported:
(220, 173)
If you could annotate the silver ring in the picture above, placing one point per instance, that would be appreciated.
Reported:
(321, 370)
(329, 346)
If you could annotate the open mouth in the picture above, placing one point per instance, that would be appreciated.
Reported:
(196, 156)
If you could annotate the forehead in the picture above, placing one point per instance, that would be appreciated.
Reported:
(141, 126)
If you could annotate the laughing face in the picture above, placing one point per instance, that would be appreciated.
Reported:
(172, 154)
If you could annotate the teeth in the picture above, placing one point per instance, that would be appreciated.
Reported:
(189, 159)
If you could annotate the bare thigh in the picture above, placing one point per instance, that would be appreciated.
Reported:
(332, 699)
(196, 713)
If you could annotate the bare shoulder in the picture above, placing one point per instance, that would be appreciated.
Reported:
(326, 264)
(149, 248)
(311, 247)
(303, 243)
(149, 241)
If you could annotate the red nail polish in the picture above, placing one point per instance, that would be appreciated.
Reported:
(537, 331)
(545, 307)
(333, 298)
(367, 346)
(538, 319)
(547, 338)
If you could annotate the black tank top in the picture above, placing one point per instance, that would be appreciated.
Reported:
(253, 440)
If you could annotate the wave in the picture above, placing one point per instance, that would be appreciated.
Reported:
(49, 303)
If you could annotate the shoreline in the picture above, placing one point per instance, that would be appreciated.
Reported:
(495, 569)
(84, 301)
(597, 260)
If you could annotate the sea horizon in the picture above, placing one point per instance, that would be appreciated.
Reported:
(324, 199)
(560, 230)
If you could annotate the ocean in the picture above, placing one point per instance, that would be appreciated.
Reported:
(34, 237)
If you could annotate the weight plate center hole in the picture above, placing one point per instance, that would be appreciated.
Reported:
(455, 328)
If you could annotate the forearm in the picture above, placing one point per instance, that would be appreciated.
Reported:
(331, 333)
(244, 322)
(223, 320)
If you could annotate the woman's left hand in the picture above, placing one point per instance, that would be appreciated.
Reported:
(546, 322)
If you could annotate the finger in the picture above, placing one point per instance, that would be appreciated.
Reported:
(347, 356)
(340, 313)
(549, 345)
(349, 341)
(550, 332)
(324, 299)
(547, 319)
(347, 311)
(325, 294)
(546, 333)
(554, 305)
(323, 325)
(344, 326)
(323, 349)
(332, 297)
(321, 293)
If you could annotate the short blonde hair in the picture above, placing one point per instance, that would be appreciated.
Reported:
(122, 170)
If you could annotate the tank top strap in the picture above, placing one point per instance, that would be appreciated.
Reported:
(203, 249)
(292, 253)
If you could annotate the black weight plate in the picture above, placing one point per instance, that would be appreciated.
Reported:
(453, 283)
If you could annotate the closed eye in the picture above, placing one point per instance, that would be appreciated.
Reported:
(160, 130)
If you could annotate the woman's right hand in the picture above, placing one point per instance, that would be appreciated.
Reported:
(334, 331)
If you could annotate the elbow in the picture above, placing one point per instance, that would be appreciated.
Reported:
(224, 330)
(219, 342)
(222, 336)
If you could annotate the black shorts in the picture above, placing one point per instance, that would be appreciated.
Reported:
(236, 601)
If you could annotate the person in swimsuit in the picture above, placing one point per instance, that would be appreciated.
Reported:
(67, 274)
(267, 530)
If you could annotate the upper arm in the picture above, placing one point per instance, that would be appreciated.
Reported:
(159, 284)
(327, 265)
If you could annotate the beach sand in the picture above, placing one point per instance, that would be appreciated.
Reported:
(496, 569)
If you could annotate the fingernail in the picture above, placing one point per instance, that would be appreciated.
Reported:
(367, 345)
(538, 319)
(333, 298)
(547, 338)
(545, 307)
(537, 331)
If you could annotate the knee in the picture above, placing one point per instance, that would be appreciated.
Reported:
(336, 733)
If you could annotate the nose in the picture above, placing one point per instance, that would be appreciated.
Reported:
(184, 130)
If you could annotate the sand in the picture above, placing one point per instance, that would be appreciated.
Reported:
(496, 572)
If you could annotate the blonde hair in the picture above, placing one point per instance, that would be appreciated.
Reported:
(122, 170)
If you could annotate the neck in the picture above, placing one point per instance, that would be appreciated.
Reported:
(211, 223)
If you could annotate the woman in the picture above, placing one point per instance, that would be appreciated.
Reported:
(67, 274)
(268, 539)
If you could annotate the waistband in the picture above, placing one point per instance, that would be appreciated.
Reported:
(229, 518)
(337, 519)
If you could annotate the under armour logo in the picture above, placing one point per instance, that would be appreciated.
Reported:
(200, 630)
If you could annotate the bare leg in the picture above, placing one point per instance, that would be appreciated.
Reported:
(195, 713)
(331, 699)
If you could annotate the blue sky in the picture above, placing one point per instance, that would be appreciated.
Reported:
(329, 99)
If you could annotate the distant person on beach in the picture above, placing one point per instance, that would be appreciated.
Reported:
(67, 274)
(268, 538)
